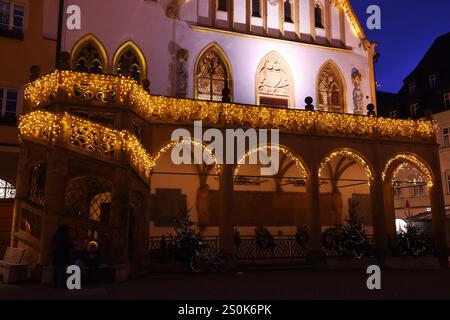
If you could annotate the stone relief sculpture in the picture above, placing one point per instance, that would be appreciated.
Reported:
(358, 96)
(273, 78)
(182, 74)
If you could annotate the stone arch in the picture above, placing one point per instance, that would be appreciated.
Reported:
(299, 162)
(89, 55)
(193, 143)
(351, 154)
(331, 90)
(414, 160)
(274, 82)
(225, 72)
(134, 58)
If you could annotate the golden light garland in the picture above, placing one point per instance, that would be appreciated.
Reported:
(84, 134)
(351, 155)
(298, 163)
(412, 160)
(106, 90)
(193, 143)
(51, 128)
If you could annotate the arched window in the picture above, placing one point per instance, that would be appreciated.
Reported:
(89, 198)
(256, 8)
(7, 190)
(274, 82)
(288, 11)
(212, 75)
(130, 62)
(330, 89)
(89, 55)
(318, 15)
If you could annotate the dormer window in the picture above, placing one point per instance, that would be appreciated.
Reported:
(222, 5)
(318, 16)
(256, 8)
(434, 81)
(413, 110)
(288, 11)
(412, 88)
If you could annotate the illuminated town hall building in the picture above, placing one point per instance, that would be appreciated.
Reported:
(96, 136)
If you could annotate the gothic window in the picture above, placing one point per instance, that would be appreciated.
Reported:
(7, 190)
(212, 76)
(129, 65)
(330, 89)
(318, 15)
(37, 184)
(222, 5)
(288, 11)
(89, 58)
(256, 8)
(89, 198)
(274, 82)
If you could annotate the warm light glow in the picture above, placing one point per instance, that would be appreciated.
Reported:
(114, 90)
(348, 154)
(298, 162)
(412, 160)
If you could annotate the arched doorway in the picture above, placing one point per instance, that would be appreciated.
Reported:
(408, 181)
(344, 178)
(270, 210)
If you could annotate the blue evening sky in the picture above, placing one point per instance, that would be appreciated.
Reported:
(408, 29)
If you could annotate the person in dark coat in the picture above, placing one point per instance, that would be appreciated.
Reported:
(62, 246)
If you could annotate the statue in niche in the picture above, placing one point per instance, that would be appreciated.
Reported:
(358, 96)
(330, 91)
(182, 74)
(272, 78)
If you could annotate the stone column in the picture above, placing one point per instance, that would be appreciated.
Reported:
(54, 202)
(439, 221)
(315, 252)
(226, 212)
(22, 190)
(119, 219)
(377, 197)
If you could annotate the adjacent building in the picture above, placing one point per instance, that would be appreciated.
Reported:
(27, 48)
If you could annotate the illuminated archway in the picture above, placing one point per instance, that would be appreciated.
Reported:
(351, 155)
(299, 163)
(345, 177)
(192, 142)
(394, 163)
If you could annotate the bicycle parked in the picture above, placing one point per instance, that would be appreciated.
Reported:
(206, 260)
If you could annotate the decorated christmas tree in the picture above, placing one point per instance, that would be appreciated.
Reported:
(186, 238)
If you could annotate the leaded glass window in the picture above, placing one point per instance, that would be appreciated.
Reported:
(212, 76)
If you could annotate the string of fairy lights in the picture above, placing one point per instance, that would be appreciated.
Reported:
(115, 90)
(107, 90)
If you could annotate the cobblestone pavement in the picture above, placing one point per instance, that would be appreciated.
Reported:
(276, 284)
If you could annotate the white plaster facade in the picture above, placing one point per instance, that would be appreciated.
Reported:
(245, 41)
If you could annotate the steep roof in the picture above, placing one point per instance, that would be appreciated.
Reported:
(350, 12)
(435, 56)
